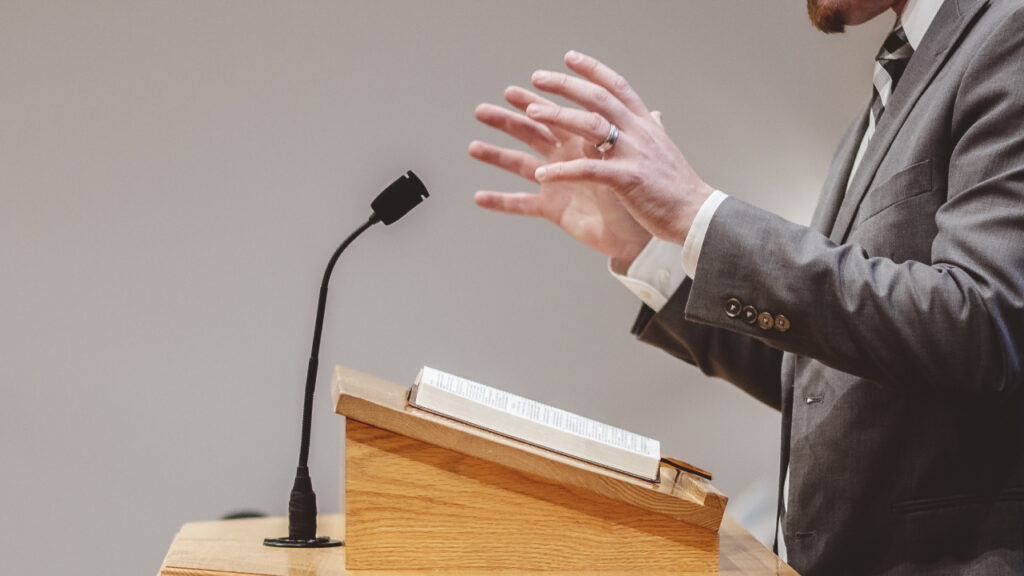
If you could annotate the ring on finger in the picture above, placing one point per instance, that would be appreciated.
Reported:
(609, 141)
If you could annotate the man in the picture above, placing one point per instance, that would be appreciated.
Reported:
(890, 333)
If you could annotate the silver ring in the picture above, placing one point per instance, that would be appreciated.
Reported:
(609, 142)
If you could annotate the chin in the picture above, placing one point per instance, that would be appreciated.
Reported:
(827, 16)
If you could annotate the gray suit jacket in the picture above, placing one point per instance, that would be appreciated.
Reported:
(899, 370)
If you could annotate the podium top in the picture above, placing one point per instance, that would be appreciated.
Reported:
(384, 404)
(236, 547)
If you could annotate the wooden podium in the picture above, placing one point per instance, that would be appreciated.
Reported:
(424, 493)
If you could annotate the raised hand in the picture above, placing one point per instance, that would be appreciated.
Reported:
(645, 170)
(588, 211)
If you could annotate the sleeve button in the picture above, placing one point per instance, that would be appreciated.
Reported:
(749, 314)
(781, 323)
(765, 321)
(733, 307)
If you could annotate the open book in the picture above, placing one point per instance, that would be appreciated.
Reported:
(536, 423)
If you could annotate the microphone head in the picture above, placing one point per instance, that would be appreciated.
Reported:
(399, 198)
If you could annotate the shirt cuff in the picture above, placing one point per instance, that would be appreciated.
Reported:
(655, 273)
(658, 270)
(695, 237)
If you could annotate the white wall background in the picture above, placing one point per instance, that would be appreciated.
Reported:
(174, 175)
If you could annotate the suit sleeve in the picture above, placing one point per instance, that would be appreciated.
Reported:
(954, 323)
(749, 364)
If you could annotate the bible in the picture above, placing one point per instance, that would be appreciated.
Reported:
(536, 423)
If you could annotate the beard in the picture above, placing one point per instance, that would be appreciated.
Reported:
(829, 19)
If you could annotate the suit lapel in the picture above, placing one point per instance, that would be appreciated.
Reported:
(839, 174)
(950, 23)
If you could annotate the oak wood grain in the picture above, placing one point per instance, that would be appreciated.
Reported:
(235, 548)
(414, 506)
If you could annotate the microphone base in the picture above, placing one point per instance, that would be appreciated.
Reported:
(318, 542)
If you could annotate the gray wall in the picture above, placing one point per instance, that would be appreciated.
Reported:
(174, 175)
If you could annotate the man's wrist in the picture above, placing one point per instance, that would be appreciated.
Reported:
(698, 200)
(620, 264)
(694, 242)
(657, 270)
(654, 274)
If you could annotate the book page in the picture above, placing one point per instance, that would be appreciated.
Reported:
(542, 414)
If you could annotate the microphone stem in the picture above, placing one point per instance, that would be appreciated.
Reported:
(314, 360)
(390, 205)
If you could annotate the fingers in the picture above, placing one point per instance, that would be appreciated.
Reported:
(519, 203)
(591, 126)
(593, 70)
(522, 98)
(585, 93)
(514, 161)
(534, 135)
(584, 169)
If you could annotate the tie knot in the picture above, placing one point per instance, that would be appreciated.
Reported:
(895, 47)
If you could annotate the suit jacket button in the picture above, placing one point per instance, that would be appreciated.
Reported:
(781, 323)
(765, 321)
(733, 307)
(749, 314)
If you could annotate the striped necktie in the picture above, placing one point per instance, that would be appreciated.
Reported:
(889, 66)
(890, 63)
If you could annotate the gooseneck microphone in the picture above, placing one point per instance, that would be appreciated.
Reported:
(394, 202)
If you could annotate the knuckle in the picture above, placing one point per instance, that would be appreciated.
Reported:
(596, 120)
(630, 176)
(625, 178)
(622, 86)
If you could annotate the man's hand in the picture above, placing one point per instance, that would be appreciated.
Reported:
(645, 170)
(589, 211)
